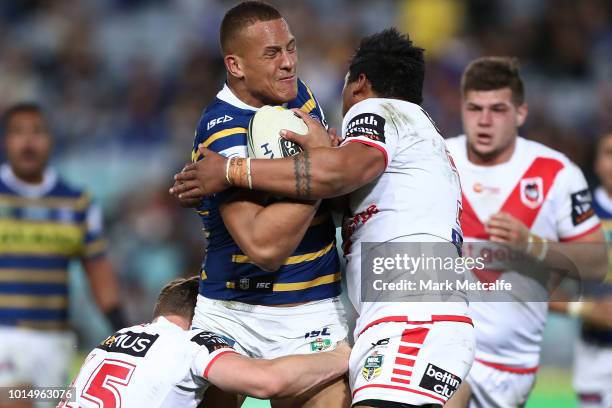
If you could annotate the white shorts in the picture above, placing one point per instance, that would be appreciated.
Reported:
(413, 363)
(270, 332)
(593, 375)
(37, 358)
(498, 387)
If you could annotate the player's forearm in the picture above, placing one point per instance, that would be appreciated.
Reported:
(315, 174)
(277, 230)
(300, 373)
(103, 283)
(579, 261)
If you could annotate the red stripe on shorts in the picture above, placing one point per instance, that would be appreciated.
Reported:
(402, 372)
(411, 351)
(404, 361)
(416, 335)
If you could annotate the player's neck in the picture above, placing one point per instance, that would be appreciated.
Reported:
(239, 90)
(180, 321)
(32, 179)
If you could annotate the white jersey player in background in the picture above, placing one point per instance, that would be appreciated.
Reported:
(521, 193)
(164, 364)
(403, 188)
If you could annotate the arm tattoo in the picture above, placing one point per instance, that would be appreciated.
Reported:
(301, 168)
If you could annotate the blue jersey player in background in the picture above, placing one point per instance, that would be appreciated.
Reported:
(593, 359)
(270, 280)
(44, 225)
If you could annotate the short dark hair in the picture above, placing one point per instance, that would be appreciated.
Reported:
(178, 297)
(392, 64)
(243, 15)
(30, 107)
(491, 73)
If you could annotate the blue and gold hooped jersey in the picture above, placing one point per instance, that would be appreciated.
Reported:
(41, 229)
(312, 272)
(602, 204)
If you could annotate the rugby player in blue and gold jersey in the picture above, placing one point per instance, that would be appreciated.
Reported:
(271, 276)
(44, 223)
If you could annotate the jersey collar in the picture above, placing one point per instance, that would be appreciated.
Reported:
(26, 189)
(226, 95)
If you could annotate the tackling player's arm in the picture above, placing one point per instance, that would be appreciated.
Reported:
(278, 378)
(318, 172)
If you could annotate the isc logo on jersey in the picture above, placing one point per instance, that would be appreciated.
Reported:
(218, 121)
(263, 138)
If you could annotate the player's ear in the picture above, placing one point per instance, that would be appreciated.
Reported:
(233, 65)
(361, 85)
(521, 114)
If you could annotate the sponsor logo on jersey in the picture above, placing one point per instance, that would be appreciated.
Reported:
(372, 366)
(382, 343)
(320, 344)
(134, 344)
(318, 333)
(218, 121)
(211, 341)
(440, 381)
(369, 125)
(258, 284)
(532, 192)
(582, 208)
(480, 188)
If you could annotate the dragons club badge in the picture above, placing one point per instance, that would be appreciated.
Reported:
(532, 192)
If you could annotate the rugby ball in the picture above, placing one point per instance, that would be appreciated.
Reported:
(263, 138)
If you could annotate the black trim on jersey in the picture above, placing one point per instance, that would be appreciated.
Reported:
(134, 344)
(370, 125)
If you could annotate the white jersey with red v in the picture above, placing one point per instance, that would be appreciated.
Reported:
(548, 193)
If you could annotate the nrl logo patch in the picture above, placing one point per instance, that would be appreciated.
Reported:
(532, 192)
(372, 367)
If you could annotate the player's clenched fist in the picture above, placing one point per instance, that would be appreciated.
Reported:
(503, 227)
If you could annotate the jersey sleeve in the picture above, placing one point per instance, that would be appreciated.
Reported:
(220, 133)
(211, 347)
(575, 213)
(365, 123)
(95, 244)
